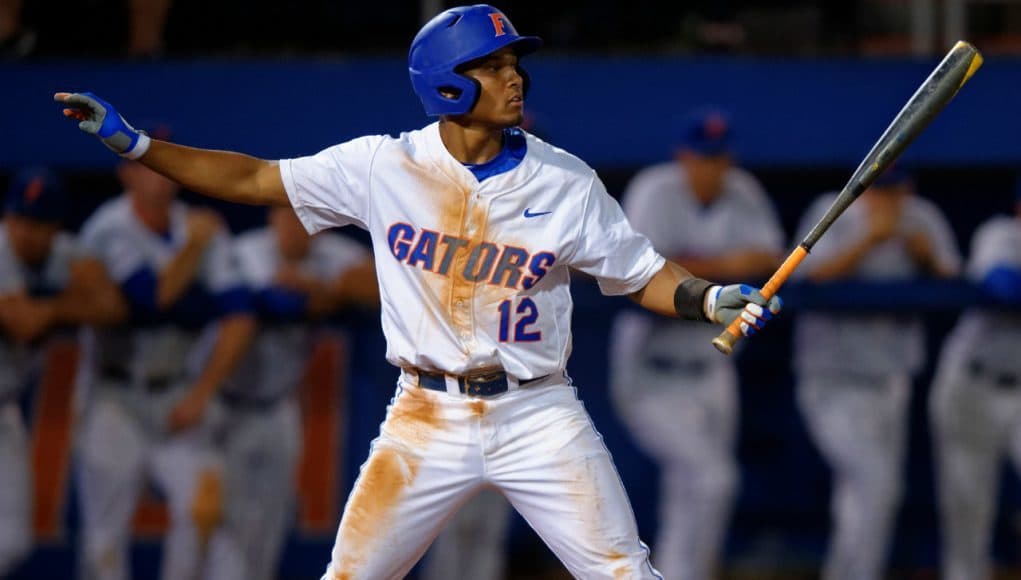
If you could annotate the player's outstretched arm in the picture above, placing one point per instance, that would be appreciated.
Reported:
(222, 174)
(673, 291)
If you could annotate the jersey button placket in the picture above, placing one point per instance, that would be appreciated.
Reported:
(463, 294)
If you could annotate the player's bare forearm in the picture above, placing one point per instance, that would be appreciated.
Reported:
(179, 273)
(733, 266)
(843, 265)
(658, 294)
(321, 301)
(225, 175)
(90, 298)
(358, 286)
(234, 337)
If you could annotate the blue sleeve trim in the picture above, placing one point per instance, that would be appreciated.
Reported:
(140, 290)
(280, 304)
(234, 300)
(1003, 283)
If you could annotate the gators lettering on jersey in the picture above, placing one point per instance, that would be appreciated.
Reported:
(473, 275)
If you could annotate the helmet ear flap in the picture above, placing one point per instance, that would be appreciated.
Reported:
(469, 92)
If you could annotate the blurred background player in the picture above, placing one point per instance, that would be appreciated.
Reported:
(151, 383)
(855, 369)
(675, 392)
(296, 279)
(976, 401)
(46, 282)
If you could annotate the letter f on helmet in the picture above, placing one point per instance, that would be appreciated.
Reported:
(451, 39)
(497, 19)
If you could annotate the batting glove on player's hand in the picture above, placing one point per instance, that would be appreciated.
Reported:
(99, 118)
(725, 303)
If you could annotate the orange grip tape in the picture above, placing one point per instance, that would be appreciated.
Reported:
(726, 340)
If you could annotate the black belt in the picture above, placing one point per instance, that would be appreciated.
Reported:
(122, 378)
(240, 402)
(1002, 379)
(482, 385)
(666, 364)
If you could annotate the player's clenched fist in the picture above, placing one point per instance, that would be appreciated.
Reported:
(725, 303)
(99, 118)
(203, 225)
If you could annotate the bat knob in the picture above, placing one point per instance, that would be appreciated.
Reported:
(725, 342)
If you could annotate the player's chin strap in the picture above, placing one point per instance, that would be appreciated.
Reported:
(690, 299)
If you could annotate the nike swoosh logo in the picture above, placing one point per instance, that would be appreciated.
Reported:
(531, 214)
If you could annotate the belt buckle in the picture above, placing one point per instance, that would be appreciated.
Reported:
(473, 384)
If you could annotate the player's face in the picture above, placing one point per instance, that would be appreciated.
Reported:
(890, 194)
(30, 239)
(705, 173)
(502, 98)
(147, 187)
(294, 241)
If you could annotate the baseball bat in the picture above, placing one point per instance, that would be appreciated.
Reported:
(943, 83)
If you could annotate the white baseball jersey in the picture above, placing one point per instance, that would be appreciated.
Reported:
(473, 275)
(660, 204)
(47, 280)
(868, 344)
(277, 358)
(990, 336)
(154, 346)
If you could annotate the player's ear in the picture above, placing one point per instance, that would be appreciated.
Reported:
(526, 80)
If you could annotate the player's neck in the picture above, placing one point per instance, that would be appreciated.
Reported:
(470, 143)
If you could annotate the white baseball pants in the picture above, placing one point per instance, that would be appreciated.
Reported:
(687, 423)
(860, 426)
(15, 489)
(116, 454)
(975, 424)
(535, 445)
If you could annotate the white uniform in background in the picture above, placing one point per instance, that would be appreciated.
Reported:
(854, 382)
(262, 442)
(675, 392)
(474, 281)
(16, 364)
(136, 373)
(976, 408)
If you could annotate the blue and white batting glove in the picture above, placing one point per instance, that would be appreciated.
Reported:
(725, 303)
(99, 118)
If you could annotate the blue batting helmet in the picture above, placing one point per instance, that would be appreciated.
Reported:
(449, 40)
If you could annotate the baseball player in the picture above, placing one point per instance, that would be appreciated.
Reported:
(975, 405)
(474, 225)
(150, 383)
(46, 282)
(855, 369)
(676, 394)
(294, 279)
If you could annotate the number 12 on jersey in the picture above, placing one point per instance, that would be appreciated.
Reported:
(528, 312)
